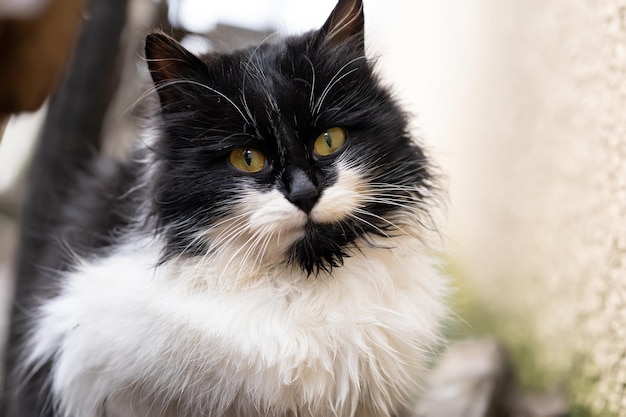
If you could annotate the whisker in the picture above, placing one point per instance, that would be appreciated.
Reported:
(390, 223)
(373, 226)
(213, 90)
(333, 81)
(312, 96)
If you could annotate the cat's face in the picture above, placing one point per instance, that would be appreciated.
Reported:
(290, 151)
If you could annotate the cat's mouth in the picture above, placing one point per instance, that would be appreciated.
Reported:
(305, 228)
(311, 224)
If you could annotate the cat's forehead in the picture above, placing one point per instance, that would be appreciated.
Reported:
(279, 59)
(268, 63)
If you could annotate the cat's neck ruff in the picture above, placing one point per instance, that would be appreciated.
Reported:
(159, 341)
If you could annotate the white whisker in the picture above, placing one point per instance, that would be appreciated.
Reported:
(333, 81)
(213, 90)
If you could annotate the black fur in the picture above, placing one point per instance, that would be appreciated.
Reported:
(261, 97)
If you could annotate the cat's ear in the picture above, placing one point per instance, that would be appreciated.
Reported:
(345, 25)
(171, 66)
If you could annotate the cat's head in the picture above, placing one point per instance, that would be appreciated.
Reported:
(290, 150)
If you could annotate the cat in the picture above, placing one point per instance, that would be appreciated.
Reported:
(267, 250)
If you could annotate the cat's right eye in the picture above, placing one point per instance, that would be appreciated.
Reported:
(247, 159)
(329, 142)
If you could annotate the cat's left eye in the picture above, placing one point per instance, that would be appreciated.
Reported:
(329, 142)
(247, 159)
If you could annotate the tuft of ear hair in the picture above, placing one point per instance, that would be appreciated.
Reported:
(345, 24)
(169, 61)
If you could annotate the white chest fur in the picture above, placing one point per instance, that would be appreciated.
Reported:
(131, 339)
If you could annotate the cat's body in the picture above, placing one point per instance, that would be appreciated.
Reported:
(282, 342)
(266, 254)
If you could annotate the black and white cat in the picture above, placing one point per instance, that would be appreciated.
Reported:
(264, 253)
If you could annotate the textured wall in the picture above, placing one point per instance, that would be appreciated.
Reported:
(537, 160)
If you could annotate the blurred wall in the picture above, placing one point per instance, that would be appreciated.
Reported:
(534, 145)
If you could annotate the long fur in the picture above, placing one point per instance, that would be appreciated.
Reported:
(174, 340)
(206, 291)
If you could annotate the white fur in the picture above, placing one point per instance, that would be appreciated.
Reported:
(238, 333)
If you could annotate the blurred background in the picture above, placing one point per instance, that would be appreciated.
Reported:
(522, 103)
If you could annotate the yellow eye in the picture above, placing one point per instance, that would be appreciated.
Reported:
(330, 141)
(247, 160)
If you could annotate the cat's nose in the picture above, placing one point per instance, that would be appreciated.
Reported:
(303, 193)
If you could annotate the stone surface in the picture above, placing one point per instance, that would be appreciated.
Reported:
(473, 379)
(476, 378)
(540, 405)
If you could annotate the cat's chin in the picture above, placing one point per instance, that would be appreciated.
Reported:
(320, 248)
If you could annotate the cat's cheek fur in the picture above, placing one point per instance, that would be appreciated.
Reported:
(271, 213)
(130, 339)
(262, 224)
(341, 199)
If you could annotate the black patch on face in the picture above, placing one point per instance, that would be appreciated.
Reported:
(277, 98)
